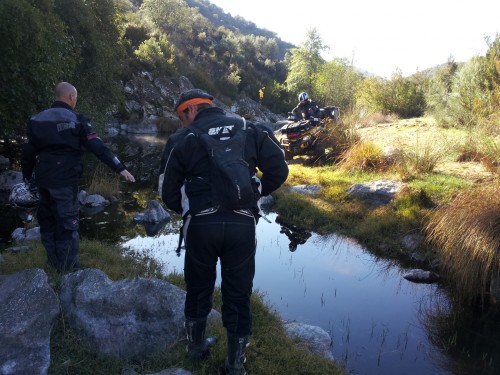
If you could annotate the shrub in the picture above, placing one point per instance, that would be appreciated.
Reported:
(471, 97)
(466, 234)
(400, 95)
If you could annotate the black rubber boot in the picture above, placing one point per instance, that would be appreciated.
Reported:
(198, 345)
(236, 349)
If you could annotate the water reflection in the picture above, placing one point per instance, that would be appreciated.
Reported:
(371, 312)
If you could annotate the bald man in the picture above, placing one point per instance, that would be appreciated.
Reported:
(57, 139)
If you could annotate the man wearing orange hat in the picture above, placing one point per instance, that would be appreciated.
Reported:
(212, 232)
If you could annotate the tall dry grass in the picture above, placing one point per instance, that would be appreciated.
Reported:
(417, 159)
(466, 235)
(337, 137)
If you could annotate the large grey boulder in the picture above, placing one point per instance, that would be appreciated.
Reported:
(377, 192)
(130, 318)
(28, 309)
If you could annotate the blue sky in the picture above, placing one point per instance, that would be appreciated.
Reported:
(380, 36)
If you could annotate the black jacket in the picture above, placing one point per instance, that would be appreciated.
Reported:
(186, 164)
(306, 110)
(57, 138)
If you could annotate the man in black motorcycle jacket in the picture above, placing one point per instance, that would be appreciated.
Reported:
(57, 139)
(306, 108)
(212, 233)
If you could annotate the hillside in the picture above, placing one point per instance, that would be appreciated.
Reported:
(237, 24)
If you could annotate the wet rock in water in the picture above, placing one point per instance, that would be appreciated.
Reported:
(421, 276)
(154, 218)
(154, 213)
(92, 200)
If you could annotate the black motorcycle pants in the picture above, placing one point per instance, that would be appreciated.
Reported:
(58, 218)
(230, 237)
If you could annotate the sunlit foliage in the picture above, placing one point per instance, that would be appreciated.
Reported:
(305, 63)
(36, 51)
(400, 95)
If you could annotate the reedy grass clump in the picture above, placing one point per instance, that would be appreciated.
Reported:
(363, 156)
(271, 351)
(483, 146)
(104, 182)
(417, 159)
(466, 234)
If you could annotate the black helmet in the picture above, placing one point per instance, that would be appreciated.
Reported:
(191, 94)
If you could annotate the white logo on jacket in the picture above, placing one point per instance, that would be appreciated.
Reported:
(225, 130)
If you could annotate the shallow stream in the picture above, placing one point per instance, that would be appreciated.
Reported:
(379, 322)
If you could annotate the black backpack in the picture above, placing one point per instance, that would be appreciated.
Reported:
(230, 177)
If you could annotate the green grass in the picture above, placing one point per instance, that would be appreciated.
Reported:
(270, 352)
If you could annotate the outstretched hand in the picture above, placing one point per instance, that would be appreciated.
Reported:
(127, 176)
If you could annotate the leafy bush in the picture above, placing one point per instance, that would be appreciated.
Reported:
(336, 84)
(471, 96)
(157, 54)
(438, 92)
(399, 95)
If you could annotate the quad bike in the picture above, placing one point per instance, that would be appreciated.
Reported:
(301, 137)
